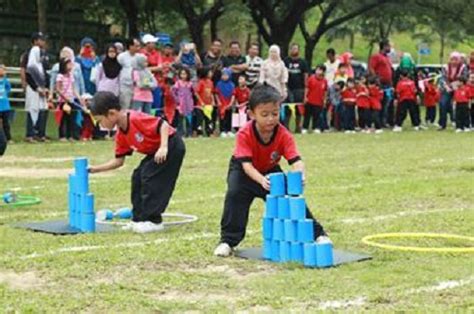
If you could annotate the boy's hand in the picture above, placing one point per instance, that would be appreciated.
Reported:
(92, 169)
(161, 154)
(265, 183)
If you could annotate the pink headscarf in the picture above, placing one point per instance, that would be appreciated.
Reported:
(346, 58)
(455, 66)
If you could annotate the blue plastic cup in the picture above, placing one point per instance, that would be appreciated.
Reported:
(297, 208)
(295, 182)
(324, 255)
(80, 166)
(267, 249)
(309, 258)
(87, 223)
(267, 228)
(275, 251)
(285, 251)
(305, 232)
(283, 207)
(296, 254)
(277, 184)
(290, 230)
(271, 206)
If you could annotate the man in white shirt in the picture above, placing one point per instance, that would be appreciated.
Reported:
(332, 64)
(253, 63)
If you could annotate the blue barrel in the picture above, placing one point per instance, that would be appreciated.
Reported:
(295, 182)
(277, 184)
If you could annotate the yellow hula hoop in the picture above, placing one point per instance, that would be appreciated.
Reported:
(369, 240)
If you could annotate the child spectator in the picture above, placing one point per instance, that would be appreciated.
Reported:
(183, 93)
(335, 102)
(259, 146)
(87, 129)
(375, 98)
(5, 108)
(341, 73)
(242, 96)
(406, 100)
(430, 99)
(154, 180)
(225, 97)
(188, 58)
(205, 102)
(67, 102)
(144, 82)
(349, 97)
(315, 97)
(461, 104)
(470, 86)
(363, 104)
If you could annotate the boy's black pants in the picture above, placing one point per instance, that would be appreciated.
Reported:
(375, 119)
(364, 117)
(349, 117)
(241, 191)
(430, 114)
(410, 106)
(311, 112)
(153, 184)
(462, 116)
(5, 117)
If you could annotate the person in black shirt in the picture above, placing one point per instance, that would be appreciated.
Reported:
(213, 60)
(297, 75)
(235, 61)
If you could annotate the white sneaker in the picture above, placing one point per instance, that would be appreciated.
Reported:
(379, 131)
(467, 130)
(223, 250)
(323, 240)
(147, 226)
(423, 127)
(223, 134)
(436, 125)
(347, 132)
(128, 226)
(416, 128)
(230, 134)
(317, 131)
(458, 130)
(397, 129)
(304, 131)
(353, 132)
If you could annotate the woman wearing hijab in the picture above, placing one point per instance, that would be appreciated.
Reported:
(68, 53)
(35, 98)
(107, 79)
(274, 72)
(88, 60)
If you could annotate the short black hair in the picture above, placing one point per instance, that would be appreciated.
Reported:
(321, 66)
(463, 79)
(341, 84)
(404, 72)
(330, 51)
(103, 102)
(185, 69)
(63, 65)
(130, 41)
(350, 80)
(203, 72)
(373, 80)
(216, 39)
(342, 65)
(262, 94)
(234, 42)
(384, 42)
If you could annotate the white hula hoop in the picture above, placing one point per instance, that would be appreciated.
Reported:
(185, 219)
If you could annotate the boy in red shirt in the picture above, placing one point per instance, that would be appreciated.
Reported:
(349, 98)
(315, 98)
(259, 147)
(470, 86)
(461, 101)
(205, 102)
(241, 99)
(431, 98)
(363, 104)
(406, 99)
(375, 98)
(153, 181)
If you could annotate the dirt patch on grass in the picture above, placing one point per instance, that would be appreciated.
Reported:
(40, 173)
(23, 281)
(194, 297)
(236, 274)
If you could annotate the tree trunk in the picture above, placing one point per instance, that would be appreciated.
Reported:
(308, 52)
(42, 9)
(196, 30)
(351, 41)
(442, 47)
(131, 11)
(61, 23)
(214, 27)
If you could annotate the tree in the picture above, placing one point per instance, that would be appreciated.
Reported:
(334, 13)
(130, 7)
(277, 20)
(197, 19)
(42, 6)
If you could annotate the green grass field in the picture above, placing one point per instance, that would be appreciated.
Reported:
(356, 185)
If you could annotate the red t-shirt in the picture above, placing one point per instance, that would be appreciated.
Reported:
(381, 65)
(153, 58)
(461, 95)
(470, 87)
(317, 88)
(349, 96)
(142, 135)
(362, 100)
(249, 147)
(406, 90)
(242, 94)
(431, 96)
(205, 90)
(375, 96)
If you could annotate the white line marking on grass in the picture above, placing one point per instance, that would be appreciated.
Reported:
(443, 285)
(396, 215)
(342, 304)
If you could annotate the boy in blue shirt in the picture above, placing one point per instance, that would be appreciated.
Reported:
(5, 89)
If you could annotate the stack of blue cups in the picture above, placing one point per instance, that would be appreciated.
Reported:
(288, 236)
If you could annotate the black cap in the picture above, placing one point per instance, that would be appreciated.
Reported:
(169, 44)
(38, 35)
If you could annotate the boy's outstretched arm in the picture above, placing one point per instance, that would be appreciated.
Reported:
(110, 165)
(255, 175)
